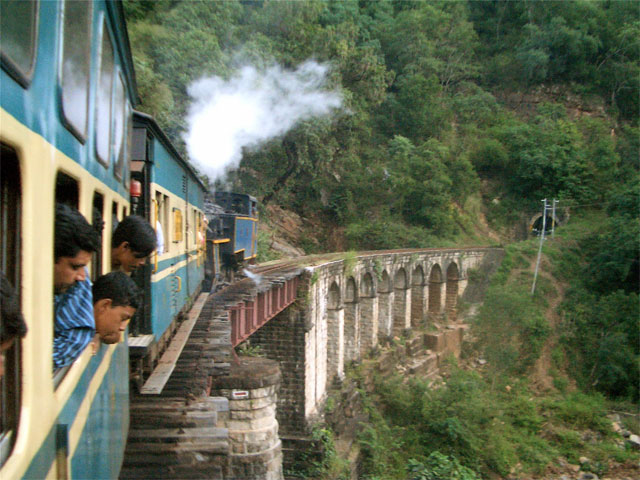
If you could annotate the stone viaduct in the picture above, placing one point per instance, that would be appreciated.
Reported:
(346, 307)
(245, 418)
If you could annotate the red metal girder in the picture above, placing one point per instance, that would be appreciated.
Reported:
(247, 317)
(261, 305)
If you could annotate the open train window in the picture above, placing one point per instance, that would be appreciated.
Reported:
(76, 62)
(103, 98)
(114, 217)
(67, 190)
(97, 221)
(19, 27)
(162, 216)
(10, 221)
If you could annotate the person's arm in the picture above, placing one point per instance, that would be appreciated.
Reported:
(69, 344)
(75, 325)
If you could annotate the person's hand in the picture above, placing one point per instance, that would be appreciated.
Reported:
(95, 344)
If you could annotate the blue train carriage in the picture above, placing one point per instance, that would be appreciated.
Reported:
(237, 222)
(68, 91)
(171, 197)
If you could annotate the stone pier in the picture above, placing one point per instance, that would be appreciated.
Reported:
(252, 388)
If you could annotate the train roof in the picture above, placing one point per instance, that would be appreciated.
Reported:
(150, 122)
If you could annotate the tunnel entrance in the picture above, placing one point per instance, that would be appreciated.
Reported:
(535, 225)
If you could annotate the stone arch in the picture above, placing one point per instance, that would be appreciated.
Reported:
(536, 221)
(400, 301)
(351, 321)
(451, 299)
(435, 292)
(367, 286)
(385, 303)
(351, 291)
(335, 334)
(417, 296)
(368, 313)
(334, 297)
(385, 283)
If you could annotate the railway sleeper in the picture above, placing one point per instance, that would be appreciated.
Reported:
(174, 435)
(176, 420)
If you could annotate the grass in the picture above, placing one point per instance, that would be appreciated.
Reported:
(490, 428)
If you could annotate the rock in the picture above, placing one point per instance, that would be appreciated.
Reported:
(481, 361)
(615, 426)
(634, 441)
(588, 476)
(575, 468)
(583, 460)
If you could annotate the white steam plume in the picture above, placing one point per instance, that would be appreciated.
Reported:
(250, 108)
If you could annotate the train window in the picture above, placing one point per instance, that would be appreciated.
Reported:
(103, 98)
(98, 222)
(76, 58)
(67, 190)
(114, 216)
(10, 221)
(119, 126)
(194, 226)
(177, 225)
(162, 216)
(18, 24)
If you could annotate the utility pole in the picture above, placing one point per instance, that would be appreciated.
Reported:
(553, 217)
(544, 226)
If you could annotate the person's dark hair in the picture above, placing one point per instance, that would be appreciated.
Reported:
(118, 287)
(11, 320)
(137, 231)
(73, 233)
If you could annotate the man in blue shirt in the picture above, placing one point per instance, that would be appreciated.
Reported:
(75, 242)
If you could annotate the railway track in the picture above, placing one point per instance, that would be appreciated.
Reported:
(176, 433)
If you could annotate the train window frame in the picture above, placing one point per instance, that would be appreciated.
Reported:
(103, 119)
(177, 225)
(80, 132)
(119, 145)
(10, 263)
(9, 64)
